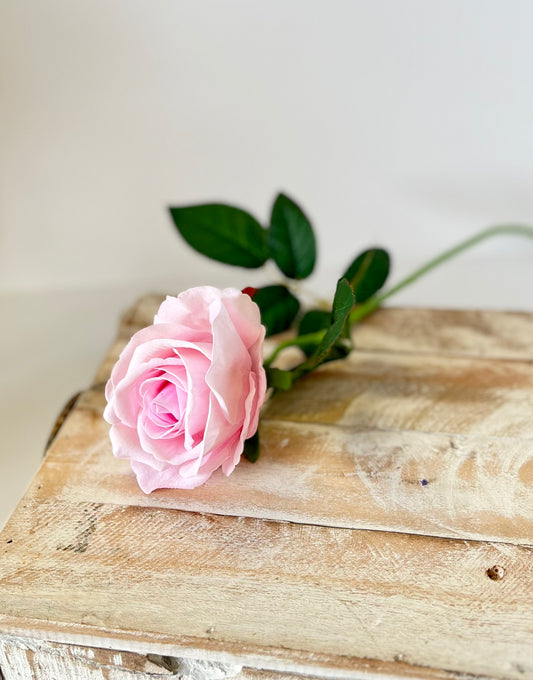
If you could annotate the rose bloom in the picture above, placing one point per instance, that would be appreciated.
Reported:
(186, 392)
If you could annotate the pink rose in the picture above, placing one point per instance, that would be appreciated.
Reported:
(186, 391)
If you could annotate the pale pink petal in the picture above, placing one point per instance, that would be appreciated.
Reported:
(171, 449)
(125, 444)
(246, 432)
(211, 460)
(228, 375)
(163, 405)
(196, 410)
(217, 432)
(245, 316)
(144, 365)
(260, 383)
(189, 311)
(168, 478)
(142, 337)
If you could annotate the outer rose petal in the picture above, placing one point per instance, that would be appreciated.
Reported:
(169, 478)
(211, 340)
(230, 367)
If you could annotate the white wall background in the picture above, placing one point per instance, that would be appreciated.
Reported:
(407, 123)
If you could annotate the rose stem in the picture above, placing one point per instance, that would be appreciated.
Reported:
(363, 310)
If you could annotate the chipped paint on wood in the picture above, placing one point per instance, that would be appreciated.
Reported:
(29, 659)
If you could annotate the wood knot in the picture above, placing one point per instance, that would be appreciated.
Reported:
(496, 573)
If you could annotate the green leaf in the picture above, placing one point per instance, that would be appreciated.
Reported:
(342, 306)
(279, 379)
(223, 233)
(368, 272)
(251, 448)
(291, 240)
(314, 320)
(278, 308)
(332, 341)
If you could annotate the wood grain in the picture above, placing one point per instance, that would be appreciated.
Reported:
(34, 659)
(481, 333)
(432, 445)
(40, 660)
(258, 584)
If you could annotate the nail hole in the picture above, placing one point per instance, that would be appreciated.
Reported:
(496, 573)
(10, 541)
(424, 482)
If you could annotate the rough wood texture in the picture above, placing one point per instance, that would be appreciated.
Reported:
(410, 442)
(346, 551)
(40, 660)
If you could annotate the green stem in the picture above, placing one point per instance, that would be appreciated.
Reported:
(363, 310)
(366, 308)
(298, 341)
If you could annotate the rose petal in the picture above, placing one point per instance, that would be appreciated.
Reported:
(196, 411)
(125, 444)
(168, 478)
(245, 316)
(146, 360)
(230, 366)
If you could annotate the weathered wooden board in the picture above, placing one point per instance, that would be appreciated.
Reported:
(499, 335)
(221, 582)
(346, 551)
(409, 442)
(40, 660)
(455, 485)
(44, 660)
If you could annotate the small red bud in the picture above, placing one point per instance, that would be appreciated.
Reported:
(249, 291)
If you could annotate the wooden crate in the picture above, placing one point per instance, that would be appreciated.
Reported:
(387, 530)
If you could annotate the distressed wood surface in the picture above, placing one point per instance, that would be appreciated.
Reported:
(385, 532)
(344, 474)
(41, 660)
(251, 584)
(416, 443)
(500, 335)
(44, 660)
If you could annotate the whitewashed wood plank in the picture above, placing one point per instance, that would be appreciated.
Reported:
(476, 333)
(256, 586)
(34, 659)
(440, 446)
(27, 659)
(425, 393)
